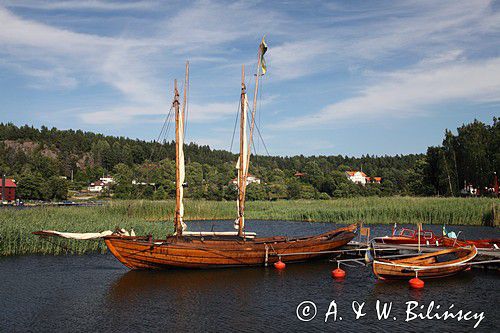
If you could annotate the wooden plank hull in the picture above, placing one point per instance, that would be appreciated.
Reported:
(385, 272)
(213, 252)
(426, 265)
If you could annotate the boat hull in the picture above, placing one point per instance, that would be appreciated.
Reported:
(386, 272)
(425, 265)
(214, 252)
(481, 244)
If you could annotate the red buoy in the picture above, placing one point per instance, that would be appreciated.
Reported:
(279, 265)
(416, 283)
(338, 273)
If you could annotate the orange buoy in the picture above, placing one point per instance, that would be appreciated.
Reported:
(416, 283)
(279, 265)
(338, 273)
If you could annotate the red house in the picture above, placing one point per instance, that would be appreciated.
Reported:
(10, 190)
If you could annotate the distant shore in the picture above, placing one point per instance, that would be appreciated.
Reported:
(155, 217)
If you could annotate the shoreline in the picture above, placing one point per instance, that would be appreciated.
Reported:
(155, 217)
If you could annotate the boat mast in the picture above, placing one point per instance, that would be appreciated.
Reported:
(242, 182)
(179, 163)
(180, 172)
(246, 147)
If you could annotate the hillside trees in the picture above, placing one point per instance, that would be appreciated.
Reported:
(29, 154)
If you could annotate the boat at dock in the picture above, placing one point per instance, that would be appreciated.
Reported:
(214, 251)
(406, 236)
(429, 265)
(208, 249)
(492, 244)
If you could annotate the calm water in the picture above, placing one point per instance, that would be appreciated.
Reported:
(96, 293)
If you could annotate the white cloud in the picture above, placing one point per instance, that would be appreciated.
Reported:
(198, 113)
(409, 92)
(438, 41)
(292, 60)
(443, 58)
(206, 24)
(42, 51)
(82, 4)
(374, 36)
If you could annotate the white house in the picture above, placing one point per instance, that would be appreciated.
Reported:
(107, 180)
(250, 179)
(358, 177)
(135, 182)
(97, 186)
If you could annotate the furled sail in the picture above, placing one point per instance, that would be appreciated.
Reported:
(85, 235)
(242, 163)
(182, 170)
(179, 164)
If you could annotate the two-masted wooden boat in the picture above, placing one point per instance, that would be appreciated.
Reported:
(187, 249)
(430, 265)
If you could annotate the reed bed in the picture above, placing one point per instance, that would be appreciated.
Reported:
(155, 217)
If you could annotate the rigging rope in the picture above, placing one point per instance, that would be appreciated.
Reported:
(186, 117)
(163, 132)
(235, 124)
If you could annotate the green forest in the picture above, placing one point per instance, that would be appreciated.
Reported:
(39, 159)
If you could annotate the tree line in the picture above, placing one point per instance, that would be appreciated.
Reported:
(39, 158)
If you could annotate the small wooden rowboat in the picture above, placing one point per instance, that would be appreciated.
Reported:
(214, 251)
(431, 265)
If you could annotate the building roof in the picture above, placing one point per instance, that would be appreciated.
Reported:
(299, 174)
(351, 173)
(377, 178)
(97, 183)
(8, 183)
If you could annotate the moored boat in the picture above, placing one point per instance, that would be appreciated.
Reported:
(430, 265)
(480, 244)
(406, 236)
(188, 249)
(222, 250)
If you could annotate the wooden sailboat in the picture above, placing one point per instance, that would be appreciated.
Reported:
(430, 265)
(188, 249)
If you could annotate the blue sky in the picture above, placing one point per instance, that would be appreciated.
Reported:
(344, 77)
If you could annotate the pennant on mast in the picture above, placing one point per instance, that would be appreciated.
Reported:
(263, 49)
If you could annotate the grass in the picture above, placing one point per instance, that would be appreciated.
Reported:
(154, 217)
